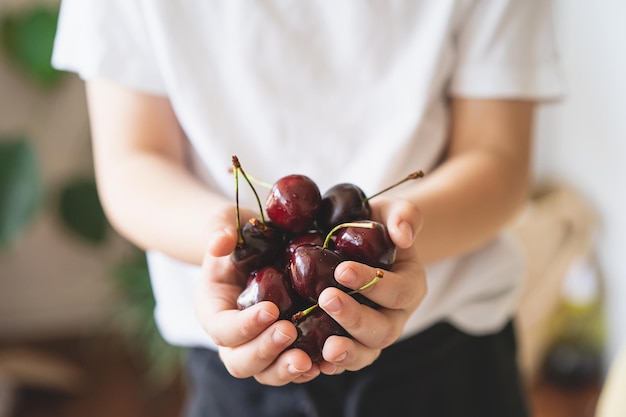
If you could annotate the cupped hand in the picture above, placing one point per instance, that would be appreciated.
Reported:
(399, 293)
(251, 342)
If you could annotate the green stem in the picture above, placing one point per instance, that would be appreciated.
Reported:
(238, 167)
(258, 181)
(362, 224)
(379, 275)
(237, 217)
(300, 314)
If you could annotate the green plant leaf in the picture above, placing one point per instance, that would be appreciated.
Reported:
(81, 210)
(20, 187)
(29, 40)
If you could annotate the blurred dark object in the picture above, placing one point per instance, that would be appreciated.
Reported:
(575, 356)
(571, 365)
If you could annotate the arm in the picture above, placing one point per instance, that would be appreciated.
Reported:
(152, 200)
(145, 188)
(482, 183)
(463, 203)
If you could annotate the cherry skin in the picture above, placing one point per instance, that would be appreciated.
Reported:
(270, 283)
(293, 203)
(342, 203)
(347, 202)
(261, 245)
(370, 246)
(311, 236)
(312, 269)
(313, 330)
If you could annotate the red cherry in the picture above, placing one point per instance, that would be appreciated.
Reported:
(347, 202)
(270, 284)
(311, 236)
(342, 203)
(312, 269)
(370, 246)
(313, 330)
(293, 203)
(258, 242)
(261, 245)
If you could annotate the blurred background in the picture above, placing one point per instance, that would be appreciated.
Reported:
(76, 330)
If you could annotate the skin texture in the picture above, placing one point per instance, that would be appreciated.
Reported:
(460, 205)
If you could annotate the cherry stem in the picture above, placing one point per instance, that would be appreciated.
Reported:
(237, 167)
(362, 224)
(411, 176)
(300, 314)
(256, 181)
(237, 217)
(379, 275)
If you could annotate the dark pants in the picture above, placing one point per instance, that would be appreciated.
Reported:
(440, 372)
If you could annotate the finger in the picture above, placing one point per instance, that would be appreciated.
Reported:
(403, 220)
(373, 328)
(222, 241)
(307, 376)
(345, 354)
(253, 357)
(232, 327)
(216, 303)
(293, 365)
(402, 288)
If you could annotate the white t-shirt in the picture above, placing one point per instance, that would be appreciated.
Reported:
(342, 91)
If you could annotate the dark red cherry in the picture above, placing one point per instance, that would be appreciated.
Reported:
(311, 236)
(261, 245)
(370, 246)
(293, 203)
(313, 330)
(347, 202)
(312, 269)
(270, 283)
(342, 203)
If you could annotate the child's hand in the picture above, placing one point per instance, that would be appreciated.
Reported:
(251, 342)
(399, 293)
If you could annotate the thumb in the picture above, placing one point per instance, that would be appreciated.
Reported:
(404, 222)
(222, 241)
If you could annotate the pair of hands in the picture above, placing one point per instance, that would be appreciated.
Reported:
(252, 343)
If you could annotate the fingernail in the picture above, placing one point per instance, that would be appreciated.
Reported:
(332, 370)
(266, 317)
(347, 276)
(341, 357)
(280, 338)
(406, 230)
(332, 306)
(293, 370)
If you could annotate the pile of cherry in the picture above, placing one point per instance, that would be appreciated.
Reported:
(290, 257)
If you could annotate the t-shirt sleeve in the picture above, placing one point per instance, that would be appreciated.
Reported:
(506, 49)
(107, 39)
